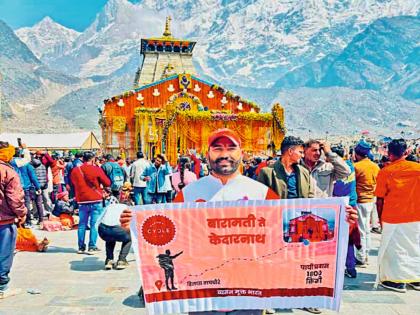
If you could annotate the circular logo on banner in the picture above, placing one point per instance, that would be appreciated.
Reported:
(158, 230)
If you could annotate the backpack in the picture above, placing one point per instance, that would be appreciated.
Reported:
(116, 177)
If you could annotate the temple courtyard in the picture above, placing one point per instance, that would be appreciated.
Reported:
(62, 282)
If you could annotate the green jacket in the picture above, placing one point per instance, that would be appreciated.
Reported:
(275, 178)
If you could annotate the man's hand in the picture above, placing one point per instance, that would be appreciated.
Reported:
(351, 215)
(147, 178)
(125, 219)
(325, 146)
(21, 220)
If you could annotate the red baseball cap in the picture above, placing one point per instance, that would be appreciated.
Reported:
(62, 194)
(224, 133)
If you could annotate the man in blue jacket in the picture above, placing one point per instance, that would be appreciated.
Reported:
(30, 182)
(115, 173)
(154, 175)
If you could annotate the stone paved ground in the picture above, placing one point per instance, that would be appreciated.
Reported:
(77, 284)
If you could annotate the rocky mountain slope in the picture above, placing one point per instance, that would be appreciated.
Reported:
(344, 55)
(29, 87)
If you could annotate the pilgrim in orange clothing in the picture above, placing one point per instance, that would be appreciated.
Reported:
(397, 192)
(366, 172)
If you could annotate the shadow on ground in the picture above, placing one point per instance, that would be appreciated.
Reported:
(134, 301)
(87, 264)
(364, 282)
(56, 249)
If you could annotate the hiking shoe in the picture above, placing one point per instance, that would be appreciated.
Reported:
(397, 287)
(121, 264)
(361, 264)
(350, 273)
(93, 251)
(312, 310)
(415, 285)
(81, 251)
(9, 292)
(108, 264)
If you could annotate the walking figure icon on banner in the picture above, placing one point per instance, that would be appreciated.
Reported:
(166, 263)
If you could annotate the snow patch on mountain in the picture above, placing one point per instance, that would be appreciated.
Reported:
(47, 39)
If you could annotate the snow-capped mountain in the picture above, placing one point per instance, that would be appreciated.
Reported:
(110, 45)
(292, 51)
(47, 39)
(384, 57)
(259, 39)
(29, 87)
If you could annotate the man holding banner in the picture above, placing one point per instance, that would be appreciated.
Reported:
(223, 185)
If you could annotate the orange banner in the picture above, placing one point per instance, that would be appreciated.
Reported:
(241, 255)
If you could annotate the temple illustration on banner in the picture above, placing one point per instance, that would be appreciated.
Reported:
(170, 109)
(308, 226)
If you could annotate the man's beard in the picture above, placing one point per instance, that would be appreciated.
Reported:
(225, 170)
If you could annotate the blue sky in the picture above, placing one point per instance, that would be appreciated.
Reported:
(75, 14)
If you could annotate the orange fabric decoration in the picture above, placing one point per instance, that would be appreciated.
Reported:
(26, 240)
(67, 221)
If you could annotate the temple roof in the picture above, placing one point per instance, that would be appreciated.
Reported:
(151, 44)
(226, 92)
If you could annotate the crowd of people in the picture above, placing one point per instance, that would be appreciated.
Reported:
(97, 188)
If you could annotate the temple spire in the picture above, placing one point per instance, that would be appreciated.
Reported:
(167, 32)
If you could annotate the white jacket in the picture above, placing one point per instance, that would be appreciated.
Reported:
(137, 169)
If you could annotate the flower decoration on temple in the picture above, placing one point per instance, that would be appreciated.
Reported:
(168, 123)
(240, 107)
(185, 106)
(156, 92)
(197, 88)
(229, 94)
(248, 116)
(210, 94)
(139, 110)
(196, 100)
(127, 93)
(277, 112)
(224, 117)
(102, 122)
(140, 97)
(200, 108)
(252, 110)
(184, 101)
(121, 103)
(220, 111)
(119, 123)
(171, 88)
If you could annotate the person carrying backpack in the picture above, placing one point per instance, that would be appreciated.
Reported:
(115, 173)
